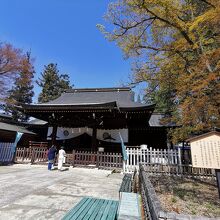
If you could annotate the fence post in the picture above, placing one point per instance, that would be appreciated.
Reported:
(125, 162)
(24, 152)
(150, 156)
(73, 161)
(123, 166)
(14, 155)
(180, 160)
(97, 159)
(32, 155)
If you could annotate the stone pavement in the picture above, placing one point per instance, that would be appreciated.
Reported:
(32, 192)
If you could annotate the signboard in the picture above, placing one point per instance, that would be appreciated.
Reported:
(205, 152)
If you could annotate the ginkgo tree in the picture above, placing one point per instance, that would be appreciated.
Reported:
(176, 45)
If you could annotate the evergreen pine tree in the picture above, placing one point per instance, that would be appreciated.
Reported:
(22, 92)
(53, 84)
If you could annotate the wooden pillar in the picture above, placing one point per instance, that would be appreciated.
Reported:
(94, 135)
(74, 155)
(217, 172)
(129, 138)
(54, 135)
(97, 159)
(183, 153)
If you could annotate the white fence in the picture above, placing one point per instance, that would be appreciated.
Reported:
(150, 156)
(6, 154)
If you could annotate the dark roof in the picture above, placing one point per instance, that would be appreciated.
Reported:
(15, 128)
(121, 98)
(37, 121)
(2, 115)
(155, 120)
(194, 138)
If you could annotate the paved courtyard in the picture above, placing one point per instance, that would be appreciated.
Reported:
(32, 192)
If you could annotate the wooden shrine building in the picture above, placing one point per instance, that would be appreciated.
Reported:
(9, 129)
(89, 119)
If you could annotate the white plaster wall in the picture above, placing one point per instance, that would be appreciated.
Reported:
(114, 134)
(74, 132)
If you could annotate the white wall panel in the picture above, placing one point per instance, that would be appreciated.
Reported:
(68, 133)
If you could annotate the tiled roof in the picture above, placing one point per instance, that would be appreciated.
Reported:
(12, 127)
(121, 98)
(155, 120)
(2, 115)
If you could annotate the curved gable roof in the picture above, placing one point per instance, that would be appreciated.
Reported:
(119, 97)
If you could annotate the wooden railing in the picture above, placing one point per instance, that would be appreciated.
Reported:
(39, 154)
(175, 169)
(23, 155)
(98, 159)
(155, 162)
(84, 158)
(109, 160)
(77, 158)
(38, 144)
(151, 204)
(31, 155)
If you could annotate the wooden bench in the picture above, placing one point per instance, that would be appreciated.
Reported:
(93, 209)
(126, 185)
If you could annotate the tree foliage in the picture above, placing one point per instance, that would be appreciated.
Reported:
(22, 91)
(12, 63)
(176, 44)
(53, 84)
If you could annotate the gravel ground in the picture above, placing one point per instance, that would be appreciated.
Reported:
(187, 195)
(33, 192)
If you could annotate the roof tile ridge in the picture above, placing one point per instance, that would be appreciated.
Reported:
(110, 89)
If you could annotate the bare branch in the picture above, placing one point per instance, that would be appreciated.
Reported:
(185, 35)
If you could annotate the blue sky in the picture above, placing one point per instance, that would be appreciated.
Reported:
(64, 32)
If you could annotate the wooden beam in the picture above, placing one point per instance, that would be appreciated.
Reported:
(54, 135)
(94, 136)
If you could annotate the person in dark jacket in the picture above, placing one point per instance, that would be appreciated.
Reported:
(51, 156)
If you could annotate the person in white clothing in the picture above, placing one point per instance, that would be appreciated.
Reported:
(61, 158)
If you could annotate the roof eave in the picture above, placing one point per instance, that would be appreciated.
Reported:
(194, 138)
(108, 105)
(18, 130)
(139, 108)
